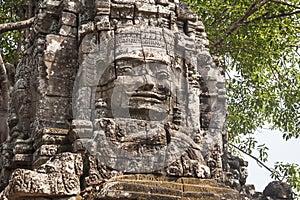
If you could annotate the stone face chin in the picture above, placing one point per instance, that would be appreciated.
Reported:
(114, 100)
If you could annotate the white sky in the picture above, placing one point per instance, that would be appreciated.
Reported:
(279, 150)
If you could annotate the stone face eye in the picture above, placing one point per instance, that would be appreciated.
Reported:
(162, 75)
(126, 71)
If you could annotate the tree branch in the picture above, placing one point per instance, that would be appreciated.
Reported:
(16, 25)
(264, 17)
(253, 157)
(255, 6)
(284, 15)
(285, 3)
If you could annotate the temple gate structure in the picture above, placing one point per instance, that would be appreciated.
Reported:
(118, 99)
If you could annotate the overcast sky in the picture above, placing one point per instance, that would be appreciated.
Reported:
(279, 150)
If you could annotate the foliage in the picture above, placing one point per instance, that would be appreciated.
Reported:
(9, 12)
(262, 60)
(258, 44)
(288, 172)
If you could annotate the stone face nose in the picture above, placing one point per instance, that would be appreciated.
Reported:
(148, 83)
(148, 87)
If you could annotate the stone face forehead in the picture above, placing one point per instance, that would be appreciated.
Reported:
(153, 43)
(148, 43)
(140, 63)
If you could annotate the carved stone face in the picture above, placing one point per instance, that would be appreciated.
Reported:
(143, 81)
(141, 94)
(147, 110)
(143, 89)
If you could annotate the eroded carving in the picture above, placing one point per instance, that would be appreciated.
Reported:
(145, 96)
(108, 88)
(60, 175)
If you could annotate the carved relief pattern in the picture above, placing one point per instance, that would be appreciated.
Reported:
(108, 88)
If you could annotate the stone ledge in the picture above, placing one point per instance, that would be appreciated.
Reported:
(142, 186)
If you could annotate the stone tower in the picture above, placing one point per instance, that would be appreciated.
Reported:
(118, 99)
